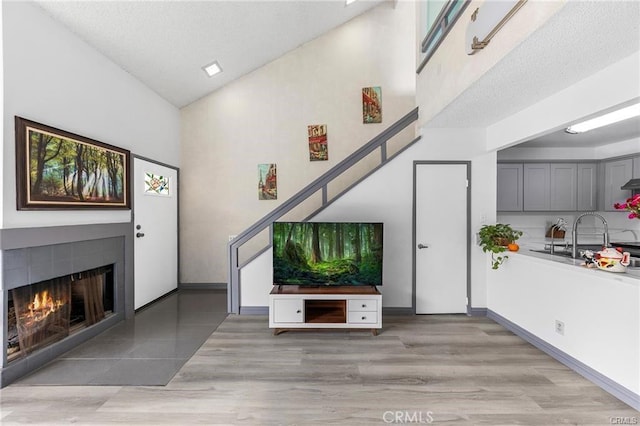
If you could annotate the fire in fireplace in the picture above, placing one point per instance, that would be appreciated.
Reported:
(43, 313)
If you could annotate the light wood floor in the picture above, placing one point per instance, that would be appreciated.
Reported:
(452, 370)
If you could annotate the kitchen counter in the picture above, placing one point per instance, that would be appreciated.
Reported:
(588, 315)
(632, 274)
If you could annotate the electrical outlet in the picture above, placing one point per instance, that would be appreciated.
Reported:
(232, 237)
(560, 327)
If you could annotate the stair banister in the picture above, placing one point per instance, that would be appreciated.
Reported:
(233, 297)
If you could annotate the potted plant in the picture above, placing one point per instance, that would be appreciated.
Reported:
(495, 239)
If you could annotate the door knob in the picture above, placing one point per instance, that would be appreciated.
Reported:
(423, 246)
(139, 234)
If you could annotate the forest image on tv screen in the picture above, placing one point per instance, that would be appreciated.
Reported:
(327, 253)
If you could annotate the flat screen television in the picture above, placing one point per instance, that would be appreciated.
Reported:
(327, 253)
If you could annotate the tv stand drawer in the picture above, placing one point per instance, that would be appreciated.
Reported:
(363, 305)
(363, 317)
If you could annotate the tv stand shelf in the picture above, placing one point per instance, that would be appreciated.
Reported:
(295, 307)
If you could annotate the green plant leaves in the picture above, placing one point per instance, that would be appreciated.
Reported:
(492, 238)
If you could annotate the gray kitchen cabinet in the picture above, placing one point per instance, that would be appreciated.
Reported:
(587, 186)
(509, 187)
(536, 187)
(636, 167)
(563, 186)
(616, 174)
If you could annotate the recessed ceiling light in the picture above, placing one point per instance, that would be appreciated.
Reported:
(605, 120)
(212, 69)
(348, 2)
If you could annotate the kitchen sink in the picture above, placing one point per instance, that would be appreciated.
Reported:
(558, 252)
(565, 250)
(634, 261)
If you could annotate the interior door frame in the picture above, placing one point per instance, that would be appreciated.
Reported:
(133, 221)
(414, 241)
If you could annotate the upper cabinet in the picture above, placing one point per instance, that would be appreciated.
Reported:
(636, 167)
(536, 187)
(587, 184)
(509, 187)
(616, 174)
(547, 186)
(563, 188)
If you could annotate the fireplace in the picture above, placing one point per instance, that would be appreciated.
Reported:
(43, 313)
(61, 286)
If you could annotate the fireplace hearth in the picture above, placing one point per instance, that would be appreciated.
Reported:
(43, 313)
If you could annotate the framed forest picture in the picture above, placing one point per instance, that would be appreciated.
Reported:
(56, 169)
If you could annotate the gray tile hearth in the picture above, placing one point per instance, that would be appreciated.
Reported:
(147, 350)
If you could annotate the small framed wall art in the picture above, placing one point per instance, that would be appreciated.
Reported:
(318, 148)
(267, 182)
(371, 105)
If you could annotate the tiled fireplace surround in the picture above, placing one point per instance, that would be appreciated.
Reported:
(31, 255)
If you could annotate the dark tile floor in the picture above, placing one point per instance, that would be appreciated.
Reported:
(146, 350)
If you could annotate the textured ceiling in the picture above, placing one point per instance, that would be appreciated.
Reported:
(581, 39)
(165, 44)
(618, 132)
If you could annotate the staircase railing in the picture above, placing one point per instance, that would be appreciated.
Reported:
(321, 183)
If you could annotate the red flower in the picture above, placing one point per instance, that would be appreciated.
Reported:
(632, 205)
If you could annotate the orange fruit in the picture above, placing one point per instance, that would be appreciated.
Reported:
(513, 247)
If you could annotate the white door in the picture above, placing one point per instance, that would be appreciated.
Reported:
(441, 238)
(155, 219)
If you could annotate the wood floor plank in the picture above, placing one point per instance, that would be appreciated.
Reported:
(451, 369)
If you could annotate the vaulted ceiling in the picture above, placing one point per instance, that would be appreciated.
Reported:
(165, 44)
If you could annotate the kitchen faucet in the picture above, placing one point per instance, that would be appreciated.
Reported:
(574, 234)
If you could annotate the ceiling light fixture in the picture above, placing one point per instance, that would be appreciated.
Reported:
(212, 69)
(348, 2)
(605, 120)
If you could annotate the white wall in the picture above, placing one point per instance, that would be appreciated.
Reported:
(387, 196)
(516, 153)
(53, 77)
(263, 118)
(615, 85)
(450, 71)
(599, 310)
(628, 147)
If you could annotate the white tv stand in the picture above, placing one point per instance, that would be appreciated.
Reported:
(292, 307)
